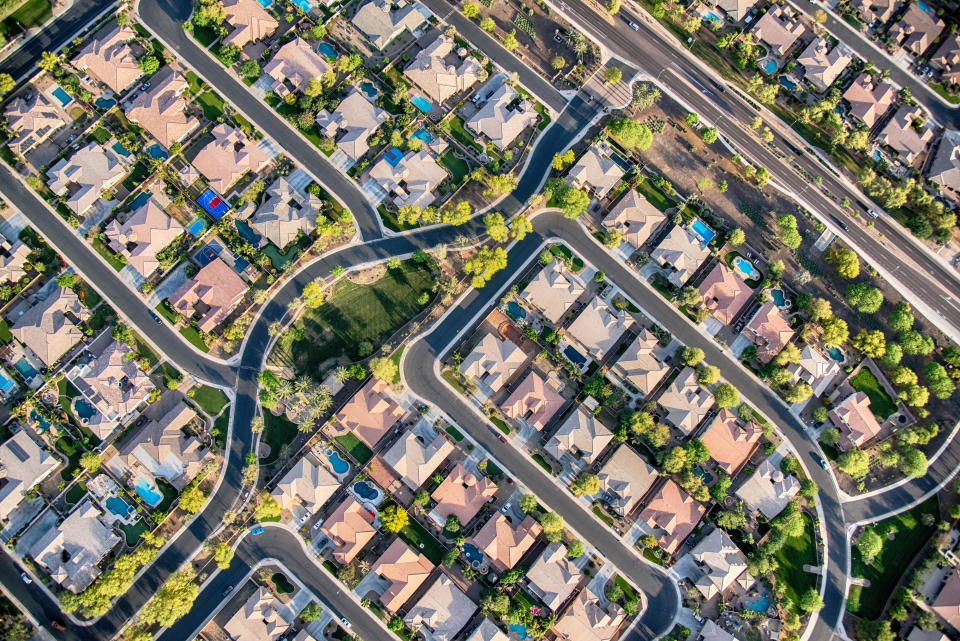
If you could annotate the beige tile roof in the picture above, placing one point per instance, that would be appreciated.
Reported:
(505, 544)
(213, 292)
(596, 171)
(582, 435)
(857, 424)
(899, 134)
(404, 570)
(713, 632)
(160, 109)
(82, 177)
(769, 330)
(598, 327)
(12, 261)
(381, 21)
(259, 619)
(673, 514)
(498, 123)
(869, 99)
(822, 64)
(721, 562)
(947, 603)
(438, 80)
(553, 577)
(552, 291)
(639, 364)
(307, 484)
(724, 293)
(349, 527)
(285, 214)
(295, 63)
(443, 610)
(31, 119)
(880, 10)
(533, 401)
(768, 490)
(49, 328)
(780, 28)
(415, 460)
(108, 57)
(146, 231)
(493, 361)
(947, 59)
(815, 368)
(945, 168)
(250, 21)
(118, 384)
(730, 441)
(681, 249)
(736, 9)
(419, 174)
(462, 494)
(635, 217)
(228, 157)
(487, 631)
(25, 463)
(685, 401)
(916, 30)
(587, 620)
(626, 477)
(353, 121)
(370, 413)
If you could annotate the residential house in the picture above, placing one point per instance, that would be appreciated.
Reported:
(724, 293)
(856, 422)
(721, 563)
(161, 108)
(879, 11)
(503, 117)
(226, 158)
(141, 237)
(487, 631)
(353, 121)
(13, 259)
(685, 402)
(587, 620)
(823, 65)
(919, 634)
(947, 60)
(596, 172)
(71, 552)
(108, 57)
(349, 528)
(681, 252)
(113, 383)
(769, 330)
(285, 213)
(815, 368)
(441, 612)
(534, 401)
(916, 30)
(552, 291)
(260, 618)
(581, 436)
(899, 134)
(381, 21)
(404, 571)
(672, 514)
(24, 463)
(869, 98)
(50, 328)
(415, 457)
(713, 632)
(293, 66)
(371, 413)
(598, 328)
(411, 179)
(553, 577)
(779, 28)
(493, 362)
(30, 120)
(440, 73)
(504, 543)
(307, 484)
(768, 490)
(82, 177)
(736, 10)
(211, 294)
(731, 441)
(625, 478)
(639, 366)
(635, 217)
(947, 604)
(251, 22)
(945, 168)
(462, 494)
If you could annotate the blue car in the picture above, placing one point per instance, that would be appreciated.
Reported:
(257, 530)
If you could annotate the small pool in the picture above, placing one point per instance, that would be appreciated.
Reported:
(520, 629)
(700, 229)
(140, 200)
(118, 506)
(147, 493)
(514, 309)
(366, 491)
(710, 15)
(836, 354)
(779, 299)
(329, 52)
(41, 422)
(196, 226)
(156, 151)
(83, 409)
(743, 266)
(303, 5)
(27, 371)
(246, 232)
(473, 554)
(393, 156)
(759, 605)
(120, 149)
(368, 88)
(769, 65)
(339, 465)
(787, 84)
(104, 103)
(265, 3)
(60, 94)
(6, 383)
(877, 156)
(924, 6)
(575, 357)
(704, 475)
(421, 103)
(424, 135)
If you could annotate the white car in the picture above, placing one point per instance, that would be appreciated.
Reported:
(26, 578)
(345, 623)
(505, 507)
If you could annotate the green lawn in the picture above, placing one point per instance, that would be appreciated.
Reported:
(602, 515)
(194, 82)
(137, 176)
(456, 166)
(167, 312)
(169, 494)
(277, 432)
(451, 377)
(501, 424)
(795, 553)
(169, 373)
(32, 13)
(415, 535)
(143, 348)
(212, 105)
(460, 133)
(69, 448)
(106, 252)
(357, 448)
(210, 399)
(628, 590)
(101, 135)
(102, 316)
(538, 458)
(5, 335)
(76, 492)
(949, 97)
(282, 583)
(656, 197)
(193, 336)
(455, 433)
(881, 404)
(134, 532)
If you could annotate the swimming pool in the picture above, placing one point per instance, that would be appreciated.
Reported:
(368, 88)
(520, 629)
(702, 473)
(779, 299)
(877, 156)
(759, 605)
(120, 149)
(26, 370)
(788, 84)
(366, 491)
(710, 15)
(41, 422)
(393, 156)
(6, 383)
(60, 94)
(118, 506)
(924, 6)
(246, 232)
(104, 103)
(303, 5)
(700, 229)
(140, 200)
(514, 309)
(575, 357)
(424, 135)
(339, 465)
(196, 226)
(156, 151)
(147, 493)
(473, 554)
(265, 3)
(769, 65)
(421, 103)
(327, 50)
(747, 270)
(83, 409)
(836, 354)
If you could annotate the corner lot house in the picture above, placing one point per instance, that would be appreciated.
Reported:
(946, 59)
(25, 464)
(534, 401)
(503, 117)
(145, 232)
(307, 484)
(672, 514)
(635, 217)
(116, 386)
(815, 368)
(581, 436)
(587, 620)
(504, 543)
(624, 479)
(598, 328)
(639, 366)
(441, 612)
(721, 562)
(82, 177)
(685, 402)
(285, 214)
(416, 456)
(947, 604)
(12, 259)
(404, 571)
(493, 362)
(768, 490)
(724, 293)
(411, 179)
(293, 67)
(945, 168)
(823, 65)
(211, 294)
(259, 619)
(381, 21)
(30, 119)
(869, 99)
(779, 28)
(349, 528)
(371, 413)
(730, 441)
(902, 138)
(108, 58)
(462, 494)
(250, 22)
(353, 121)
(50, 328)
(736, 10)
(440, 72)
(769, 330)
(681, 252)
(552, 291)
(596, 172)
(857, 424)
(229, 156)
(553, 577)
(161, 109)
(916, 30)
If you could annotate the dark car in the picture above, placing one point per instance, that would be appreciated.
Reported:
(57, 624)
(156, 319)
(840, 223)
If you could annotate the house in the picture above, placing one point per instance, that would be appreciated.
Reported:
(736, 10)
(50, 328)
(635, 217)
(141, 237)
(721, 563)
(293, 66)
(226, 158)
(724, 293)
(349, 528)
(769, 330)
(403, 570)
(462, 494)
(879, 11)
(82, 177)
(945, 168)
(438, 78)
(685, 402)
(534, 401)
(381, 21)
(25, 463)
(161, 108)
(12, 260)
(899, 134)
(30, 120)
(71, 552)
(947, 604)
(493, 362)
(640, 366)
(682, 252)
(261, 618)
(411, 179)
(919, 634)
(869, 98)
(553, 577)
(768, 490)
(211, 294)
(598, 328)
(161, 449)
(371, 413)
(779, 28)
(487, 631)
(503, 117)
(946, 60)
(415, 457)
(815, 368)
(916, 30)
(113, 382)
(857, 424)
(581, 436)
(441, 612)
(625, 478)
(251, 22)
(713, 632)
(504, 543)
(672, 514)
(552, 291)
(730, 441)
(595, 171)
(823, 65)
(285, 213)
(353, 121)
(109, 58)
(307, 484)
(587, 620)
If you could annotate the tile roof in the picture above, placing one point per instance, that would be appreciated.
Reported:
(49, 328)
(382, 21)
(674, 513)
(598, 327)
(597, 171)
(353, 121)
(414, 460)
(213, 292)
(736, 9)
(24, 463)
(308, 484)
(683, 250)
(404, 570)
(626, 477)
(685, 401)
(879, 10)
(462, 494)
(947, 59)
(768, 490)
(419, 174)
(493, 361)
(533, 401)
(250, 21)
(553, 577)
(12, 261)
(552, 291)
(161, 109)
(82, 177)
(443, 610)
(639, 365)
(899, 134)
(349, 527)
(815, 368)
(713, 632)
(371, 412)
(285, 213)
(721, 562)
(229, 156)
(587, 620)
(31, 119)
(724, 293)
(779, 28)
(439, 80)
(916, 30)
(581, 435)
(945, 168)
(857, 424)
(769, 330)
(729, 441)
(823, 65)
(497, 122)
(947, 603)
(869, 99)
(118, 385)
(505, 544)
(296, 63)
(635, 217)
(146, 231)
(259, 619)
(487, 631)
(109, 58)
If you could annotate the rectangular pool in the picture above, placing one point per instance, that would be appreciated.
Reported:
(700, 229)
(421, 103)
(60, 94)
(25, 368)
(6, 383)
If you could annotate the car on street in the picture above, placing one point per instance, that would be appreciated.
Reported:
(505, 507)
(26, 578)
(872, 213)
(227, 590)
(822, 462)
(257, 530)
(634, 26)
(156, 319)
(345, 623)
(57, 624)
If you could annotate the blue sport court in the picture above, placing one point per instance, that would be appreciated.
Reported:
(213, 204)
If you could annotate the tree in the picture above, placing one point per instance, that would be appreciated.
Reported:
(450, 556)
(691, 118)
(789, 354)
(148, 64)
(845, 261)
(726, 396)
(6, 84)
(870, 544)
(691, 356)
(223, 555)
(938, 380)
(557, 63)
(612, 75)
(458, 214)
(484, 264)
(810, 600)
(451, 526)
(488, 25)
(192, 498)
(90, 462)
(560, 161)
(313, 294)
(552, 526)
(835, 332)
(801, 391)
(384, 368)
(49, 61)
(872, 343)
(520, 226)
(496, 603)
(819, 308)
(510, 40)
(901, 318)
(173, 600)
(613, 6)
(644, 95)
(209, 13)
(575, 549)
(854, 462)
(707, 374)
(675, 460)
(892, 356)
(267, 509)
(527, 503)
(585, 483)
(914, 343)
(470, 9)
(311, 612)
(708, 135)
(864, 298)
(571, 200)
(787, 230)
(913, 463)
(394, 518)
(496, 227)
(731, 520)
(500, 184)
(630, 133)
(736, 237)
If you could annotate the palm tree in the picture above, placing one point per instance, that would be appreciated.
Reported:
(341, 374)
(284, 390)
(302, 384)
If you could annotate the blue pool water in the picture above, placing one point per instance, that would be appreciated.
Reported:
(393, 156)
(213, 204)
(710, 15)
(788, 84)
(196, 226)
(365, 491)
(368, 88)
(424, 135)
(520, 629)
(744, 267)
(702, 473)
(140, 200)
(265, 3)
(514, 309)
(778, 297)
(303, 5)
(41, 422)
(61, 95)
(924, 6)
(6, 383)
(156, 151)
(770, 65)
(118, 506)
(575, 357)
(120, 149)
(877, 156)
(836, 354)
(759, 605)
(700, 229)
(329, 52)
(421, 103)
(26, 369)
(147, 493)
(247, 233)
(339, 465)
(473, 554)
(83, 409)
(104, 103)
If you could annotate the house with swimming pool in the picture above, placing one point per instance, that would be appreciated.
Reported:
(348, 528)
(108, 57)
(553, 291)
(442, 70)
(855, 420)
(769, 330)
(161, 109)
(210, 295)
(680, 253)
(553, 577)
(31, 119)
(410, 178)
(635, 218)
(916, 29)
(305, 488)
(641, 367)
(596, 171)
(251, 22)
(228, 157)
(724, 294)
(590, 618)
(25, 464)
(381, 21)
(285, 214)
(462, 494)
(113, 383)
(814, 367)
(81, 178)
(721, 564)
(580, 439)
(441, 612)
(353, 121)
(822, 65)
(779, 29)
(625, 479)
(51, 326)
(504, 543)
(418, 454)
(503, 116)
(293, 66)
(143, 233)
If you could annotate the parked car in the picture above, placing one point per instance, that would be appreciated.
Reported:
(345, 623)
(26, 578)
(257, 530)
(822, 462)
